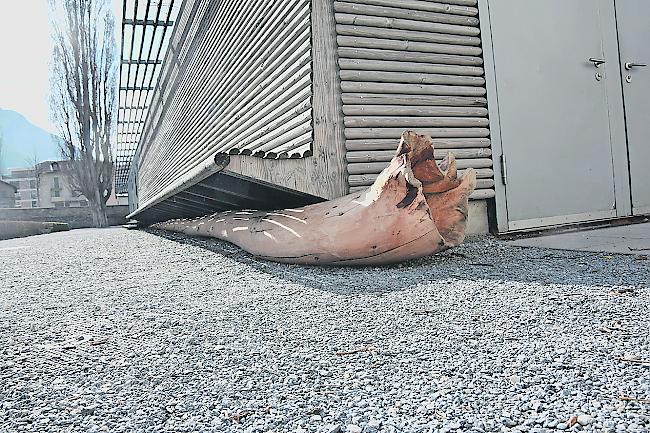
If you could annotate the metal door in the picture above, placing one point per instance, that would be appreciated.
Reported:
(561, 140)
(633, 22)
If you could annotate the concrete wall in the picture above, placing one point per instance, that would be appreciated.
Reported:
(74, 217)
(7, 195)
(7, 201)
(20, 229)
(477, 218)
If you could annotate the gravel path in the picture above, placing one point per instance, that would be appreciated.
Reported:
(134, 331)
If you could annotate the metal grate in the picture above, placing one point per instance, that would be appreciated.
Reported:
(146, 31)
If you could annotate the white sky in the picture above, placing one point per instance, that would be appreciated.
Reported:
(24, 55)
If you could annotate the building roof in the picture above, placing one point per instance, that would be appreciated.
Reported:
(52, 166)
(2, 182)
(146, 30)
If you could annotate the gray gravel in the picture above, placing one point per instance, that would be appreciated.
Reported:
(127, 331)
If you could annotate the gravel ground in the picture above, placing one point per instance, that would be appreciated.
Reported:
(134, 331)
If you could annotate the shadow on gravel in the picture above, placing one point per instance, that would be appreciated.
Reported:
(478, 259)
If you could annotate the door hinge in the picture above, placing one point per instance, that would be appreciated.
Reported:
(504, 170)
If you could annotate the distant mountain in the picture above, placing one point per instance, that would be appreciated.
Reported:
(23, 142)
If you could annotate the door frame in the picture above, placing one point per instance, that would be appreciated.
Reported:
(618, 137)
(644, 209)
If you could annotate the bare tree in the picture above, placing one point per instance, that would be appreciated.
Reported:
(83, 95)
(32, 159)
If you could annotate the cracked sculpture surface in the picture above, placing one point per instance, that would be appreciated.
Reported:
(415, 208)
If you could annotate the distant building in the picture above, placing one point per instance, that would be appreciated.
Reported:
(49, 185)
(26, 184)
(7, 195)
(55, 187)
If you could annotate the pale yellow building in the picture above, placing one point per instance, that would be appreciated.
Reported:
(55, 188)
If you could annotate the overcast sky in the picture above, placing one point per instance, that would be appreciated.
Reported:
(24, 55)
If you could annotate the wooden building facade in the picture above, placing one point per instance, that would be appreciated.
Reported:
(274, 103)
(310, 96)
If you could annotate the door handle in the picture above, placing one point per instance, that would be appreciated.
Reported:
(630, 65)
(597, 62)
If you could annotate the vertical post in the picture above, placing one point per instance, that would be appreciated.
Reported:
(493, 113)
(327, 167)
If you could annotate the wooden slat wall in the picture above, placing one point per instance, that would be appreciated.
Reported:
(237, 79)
(412, 65)
(324, 173)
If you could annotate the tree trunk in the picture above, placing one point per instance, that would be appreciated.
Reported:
(101, 221)
(98, 210)
(415, 208)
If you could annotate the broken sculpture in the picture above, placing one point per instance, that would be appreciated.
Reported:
(415, 208)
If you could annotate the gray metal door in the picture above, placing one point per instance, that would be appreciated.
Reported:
(561, 142)
(633, 19)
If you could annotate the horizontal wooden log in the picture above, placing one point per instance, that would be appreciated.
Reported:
(410, 78)
(250, 89)
(485, 183)
(438, 143)
(407, 56)
(368, 179)
(405, 35)
(481, 185)
(413, 122)
(432, 132)
(294, 125)
(231, 54)
(387, 155)
(212, 85)
(461, 2)
(415, 89)
(410, 46)
(294, 148)
(482, 194)
(396, 23)
(427, 6)
(402, 13)
(377, 167)
(167, 76)
(260, 92)
(393, 71)
(400, 66)
(478, 194)
(273, 119)
(356, 98)
(400, 110)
